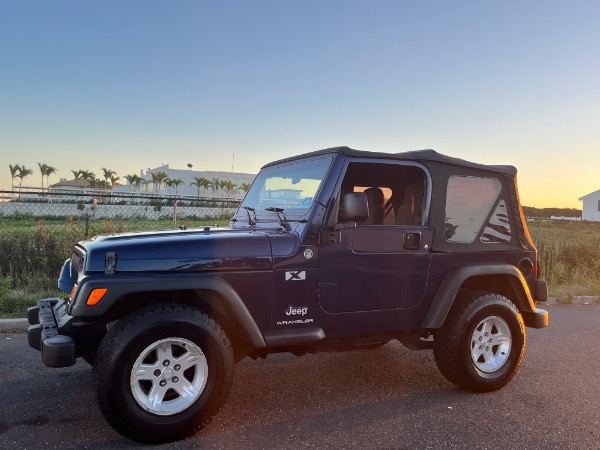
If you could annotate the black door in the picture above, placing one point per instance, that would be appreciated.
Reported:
(374, 267)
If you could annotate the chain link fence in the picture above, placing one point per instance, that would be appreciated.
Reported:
(125, 211)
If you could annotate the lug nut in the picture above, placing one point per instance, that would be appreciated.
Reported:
(166, 363)
(163, 383)
(177, 367)
(175, 379)
(157, 373)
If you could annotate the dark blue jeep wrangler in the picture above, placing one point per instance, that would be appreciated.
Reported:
(333, 250)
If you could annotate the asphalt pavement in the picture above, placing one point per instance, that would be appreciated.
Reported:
(390, 397)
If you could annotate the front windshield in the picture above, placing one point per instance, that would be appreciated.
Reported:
(291, 187)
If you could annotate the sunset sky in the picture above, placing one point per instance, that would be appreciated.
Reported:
(136, 84)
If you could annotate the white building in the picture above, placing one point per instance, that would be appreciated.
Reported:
(591, 206)
(148, 186)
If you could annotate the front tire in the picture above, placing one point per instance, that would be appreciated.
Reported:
(482, 342)
(163, 372)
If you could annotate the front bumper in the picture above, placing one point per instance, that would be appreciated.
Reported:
(47, 319)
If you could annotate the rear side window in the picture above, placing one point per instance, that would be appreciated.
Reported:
(498, 227)
(469, 201)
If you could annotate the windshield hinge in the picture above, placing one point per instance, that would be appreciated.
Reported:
(110, 263)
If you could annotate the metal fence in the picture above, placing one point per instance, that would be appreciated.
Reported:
(115, 211)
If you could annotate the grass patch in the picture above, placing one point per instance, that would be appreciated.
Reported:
(14, 301)
(32, 253)
(569, 256)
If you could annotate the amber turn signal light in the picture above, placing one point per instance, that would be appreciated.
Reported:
(95, 296)
(73, 290)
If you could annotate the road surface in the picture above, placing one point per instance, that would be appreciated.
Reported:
(384, 398)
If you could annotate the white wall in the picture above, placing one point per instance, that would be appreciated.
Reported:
(188, 177)
(590, 209)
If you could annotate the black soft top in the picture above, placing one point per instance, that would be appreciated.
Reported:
(415, 155)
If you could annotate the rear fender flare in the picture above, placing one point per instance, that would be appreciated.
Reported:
(455, 279)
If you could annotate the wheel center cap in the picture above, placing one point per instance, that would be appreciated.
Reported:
(167, 374)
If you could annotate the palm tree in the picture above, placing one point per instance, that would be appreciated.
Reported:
(198, 183)
(176, 182)
(14, 170)
(43, 167)
(133, 180)
(207, 184)
(108, 174)
(159, 178)
(97, 183)
(49, 171)
(23, 173)
(138, 181)
(155, 179)
(227, 185)
(90, 177)
(113, 181)
(201, 182)
(77, 174)
(244, 187)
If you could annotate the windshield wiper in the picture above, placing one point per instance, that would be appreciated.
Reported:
(284, 221)
(251, 222)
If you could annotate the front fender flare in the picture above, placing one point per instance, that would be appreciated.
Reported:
(119, 286)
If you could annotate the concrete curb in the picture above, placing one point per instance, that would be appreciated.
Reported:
(21, 325)
(13, 325)
(579, 300)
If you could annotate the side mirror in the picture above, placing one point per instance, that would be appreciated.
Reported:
(354, 207)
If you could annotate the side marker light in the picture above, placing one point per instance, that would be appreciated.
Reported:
(95, 296)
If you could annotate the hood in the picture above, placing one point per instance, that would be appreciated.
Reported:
(190, 250)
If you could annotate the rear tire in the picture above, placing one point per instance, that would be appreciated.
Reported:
(163, 372)
(481, 344)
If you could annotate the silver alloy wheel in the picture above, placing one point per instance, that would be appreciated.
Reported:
(490, 344)
(169, 376)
